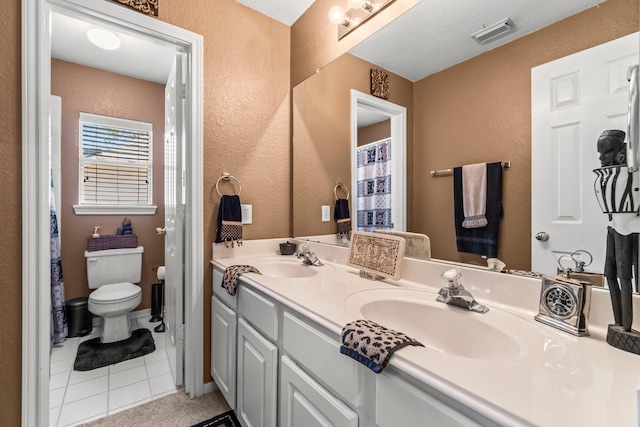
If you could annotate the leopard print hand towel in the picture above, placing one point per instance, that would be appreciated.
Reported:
(372, 344)
(231, 275)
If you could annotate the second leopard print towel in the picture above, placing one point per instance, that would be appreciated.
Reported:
(372, 344)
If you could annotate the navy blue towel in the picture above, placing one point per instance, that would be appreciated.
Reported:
(484, 240)
(229, 222)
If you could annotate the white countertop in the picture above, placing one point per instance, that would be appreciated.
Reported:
(562, 380)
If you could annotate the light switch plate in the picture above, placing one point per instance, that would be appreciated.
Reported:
(247, 214)
(326, 209)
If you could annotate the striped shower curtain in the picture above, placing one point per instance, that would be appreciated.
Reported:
(58, 307)
(374, 186)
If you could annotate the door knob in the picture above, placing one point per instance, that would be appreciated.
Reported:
(542, 236)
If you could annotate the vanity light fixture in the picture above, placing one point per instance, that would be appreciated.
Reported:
(338, 17)
(359, 11)
(491, 32)
(104, 39)
(361, 4)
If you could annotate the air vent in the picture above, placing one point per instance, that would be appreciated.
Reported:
(494, 31)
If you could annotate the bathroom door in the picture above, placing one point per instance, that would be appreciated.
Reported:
(574, 99)
(174, 220)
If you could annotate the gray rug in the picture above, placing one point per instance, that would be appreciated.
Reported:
(174, 410)
(92, 354)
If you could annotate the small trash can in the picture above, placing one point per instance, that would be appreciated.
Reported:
(79, 319)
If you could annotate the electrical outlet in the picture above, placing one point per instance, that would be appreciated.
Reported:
(247, 214)
(326, 213)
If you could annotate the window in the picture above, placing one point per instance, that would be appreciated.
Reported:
(115, 166)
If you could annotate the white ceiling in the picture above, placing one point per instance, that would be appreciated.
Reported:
(432, 36)
(285, 11)
(136, 57)
(435, 34)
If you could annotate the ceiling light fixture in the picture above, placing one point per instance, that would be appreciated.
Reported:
(104, 39)
(494, 31)
(359, 11)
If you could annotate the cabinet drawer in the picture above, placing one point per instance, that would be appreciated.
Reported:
(220, 292)
(320, 355)
(258, 310)
(399, 403)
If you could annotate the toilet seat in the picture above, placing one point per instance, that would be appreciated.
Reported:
(115, 292)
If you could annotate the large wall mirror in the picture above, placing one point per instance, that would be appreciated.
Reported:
(466, 103)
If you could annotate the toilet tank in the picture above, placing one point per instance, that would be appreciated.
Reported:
(114, 266)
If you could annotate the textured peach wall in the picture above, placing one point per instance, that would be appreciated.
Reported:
(11, 214)
(88, 90)
(374, 132)
(314, 40)
(480, 110)
(246, 118)
(321, 138)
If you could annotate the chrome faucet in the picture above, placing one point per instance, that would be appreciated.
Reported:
(307, 256)
(455, 294)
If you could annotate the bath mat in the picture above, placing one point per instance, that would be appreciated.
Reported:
(92, 354)
(228, 419)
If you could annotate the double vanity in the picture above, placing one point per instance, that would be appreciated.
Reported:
(276, 359)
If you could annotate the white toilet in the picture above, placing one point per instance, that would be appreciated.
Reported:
(112, 273)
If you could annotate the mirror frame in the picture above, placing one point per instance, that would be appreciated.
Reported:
(36, 87)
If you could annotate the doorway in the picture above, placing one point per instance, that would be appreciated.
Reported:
(36, 157)
(365, 106)
(573, 100)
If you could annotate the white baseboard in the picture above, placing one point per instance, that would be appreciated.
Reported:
(210, 387)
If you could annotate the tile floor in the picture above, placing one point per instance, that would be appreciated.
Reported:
(77, 397)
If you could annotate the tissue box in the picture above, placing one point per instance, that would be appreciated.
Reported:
(112, 242)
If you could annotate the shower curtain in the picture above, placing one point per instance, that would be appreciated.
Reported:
(58, 306)
(374, 186)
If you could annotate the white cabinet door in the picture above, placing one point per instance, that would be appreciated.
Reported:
(257, 378)
(223, 349)
(304, 402)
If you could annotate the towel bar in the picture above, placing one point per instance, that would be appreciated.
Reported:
(344, 188)
(228, 177)
(445, 172)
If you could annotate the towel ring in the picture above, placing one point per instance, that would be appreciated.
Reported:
(227, 177)
(340, 185)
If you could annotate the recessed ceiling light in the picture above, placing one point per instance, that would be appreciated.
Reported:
(104, 39)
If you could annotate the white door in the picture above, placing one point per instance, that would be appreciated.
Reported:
(573, 100)
(174, 220)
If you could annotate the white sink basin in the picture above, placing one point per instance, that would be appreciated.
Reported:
(494, 336)
(289, 268)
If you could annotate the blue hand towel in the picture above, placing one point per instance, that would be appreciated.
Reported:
(481, 241)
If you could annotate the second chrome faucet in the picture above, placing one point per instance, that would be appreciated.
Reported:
(455, 294)
(307, 256)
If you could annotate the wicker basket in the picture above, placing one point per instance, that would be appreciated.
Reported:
(112, 242)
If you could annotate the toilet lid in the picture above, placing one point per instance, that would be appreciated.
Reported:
(115, 292)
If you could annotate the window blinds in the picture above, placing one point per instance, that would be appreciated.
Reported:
(115, 162)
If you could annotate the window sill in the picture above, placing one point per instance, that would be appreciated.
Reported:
(114, 210)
